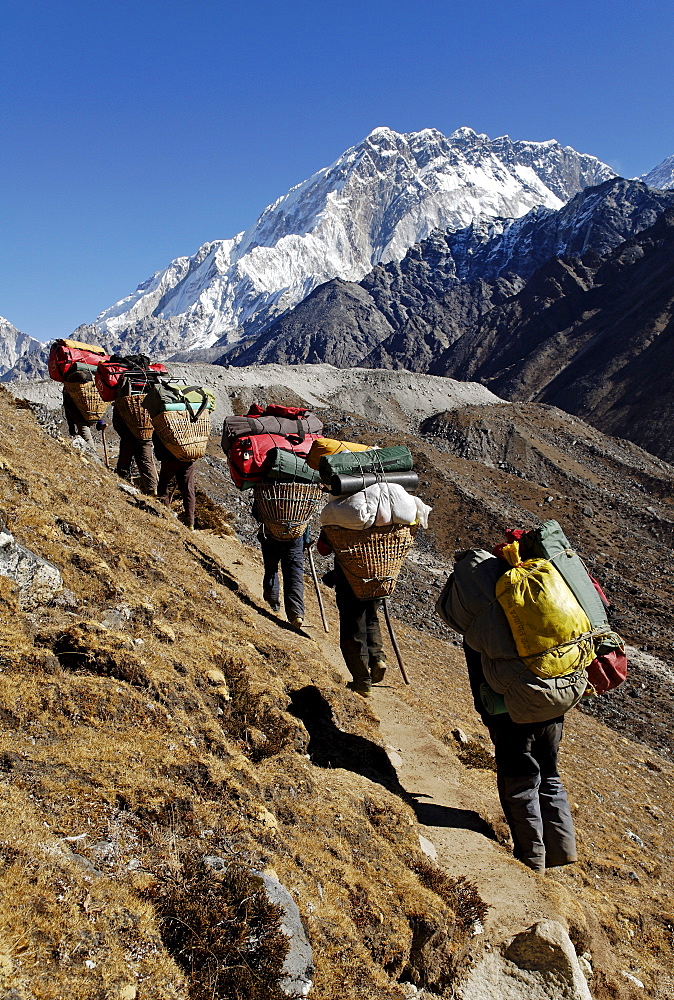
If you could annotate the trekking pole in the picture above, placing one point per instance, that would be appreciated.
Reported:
(394, 641)
(318, 593)
(102, 425)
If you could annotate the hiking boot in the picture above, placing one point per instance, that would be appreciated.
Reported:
(359, 687)
(273, 603)
(296, 621)
(377, 671)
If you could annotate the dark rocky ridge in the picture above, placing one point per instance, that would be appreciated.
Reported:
(587, 332)
(591, 335)
(446, 282)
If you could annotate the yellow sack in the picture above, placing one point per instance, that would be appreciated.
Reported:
(543, 614)
(94, 348)
(327, 446)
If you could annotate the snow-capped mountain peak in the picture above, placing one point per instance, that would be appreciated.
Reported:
(375, 201)
(661, 176)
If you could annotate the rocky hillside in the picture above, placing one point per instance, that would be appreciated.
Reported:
(154, 759)
(594, 336)
(166, 737)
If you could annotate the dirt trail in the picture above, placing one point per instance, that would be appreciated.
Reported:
(447, 808)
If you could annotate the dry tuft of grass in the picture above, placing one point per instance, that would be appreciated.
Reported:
(474, 754)
(223, 931)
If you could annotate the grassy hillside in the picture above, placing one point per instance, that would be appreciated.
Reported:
(146, 725)
(155, 715)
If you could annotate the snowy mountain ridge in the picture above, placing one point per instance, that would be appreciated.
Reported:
(661, 176)
(374, 202)
(13, 345)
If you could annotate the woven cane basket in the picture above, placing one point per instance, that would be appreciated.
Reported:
(371, 558)
(87, 399)
(287, 508)
(135, 416)
(185, 439)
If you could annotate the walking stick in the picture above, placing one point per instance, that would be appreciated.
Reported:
(102, 424)
(394, 641)
(318, 593)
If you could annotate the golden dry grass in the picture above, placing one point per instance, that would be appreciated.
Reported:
(145, 724)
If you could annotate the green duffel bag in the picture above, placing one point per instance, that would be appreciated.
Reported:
(550, 542)
(285, 467)
(163, 397)
(397, 458)
(198, 399)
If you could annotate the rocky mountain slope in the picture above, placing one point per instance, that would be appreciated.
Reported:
(165, 736)
(380, 197)
(13, 345)
(404, 314)
(589, 332)
(594, 335)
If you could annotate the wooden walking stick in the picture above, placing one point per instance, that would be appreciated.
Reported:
(102, 425)
(318, 593)
(394, 641)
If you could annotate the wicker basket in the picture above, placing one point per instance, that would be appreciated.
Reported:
(287, 508)
(135, 416)
(371, 558)
(87, 399)
(185, 439)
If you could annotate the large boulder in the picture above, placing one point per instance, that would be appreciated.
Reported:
(537, 964)
(298, 966)
(38, 581)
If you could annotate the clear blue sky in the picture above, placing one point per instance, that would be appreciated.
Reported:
(133, 131)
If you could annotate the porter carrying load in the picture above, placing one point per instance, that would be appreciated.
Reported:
(371, 530)
(133, 370)
(131, 385)
(74, 364)
(181, 417)
(371, 558)
(286, 508)
(249, 458)
(87, 399)
(537, 623)
(73, 358)
(377, 461)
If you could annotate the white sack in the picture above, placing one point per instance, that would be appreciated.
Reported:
(379, 504)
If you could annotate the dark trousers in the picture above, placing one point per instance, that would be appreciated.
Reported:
(76, 424)
(359, 632)
(531, 792)
(184, 477)
(290, 556)
(131, 449)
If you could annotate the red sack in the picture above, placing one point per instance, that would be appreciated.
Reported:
(109, 376)
(248, 455)
(65, 354)
(276, 410)
(608, 671)
(267, 423)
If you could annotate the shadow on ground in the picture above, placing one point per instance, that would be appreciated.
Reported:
(329, 746)
(430, 814)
